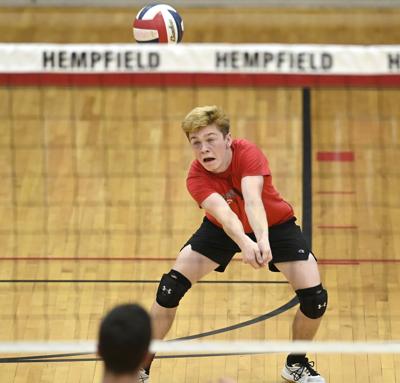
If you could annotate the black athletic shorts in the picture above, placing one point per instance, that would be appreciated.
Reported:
(286, 240)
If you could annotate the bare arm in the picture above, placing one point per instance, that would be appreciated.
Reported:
(218, 208)
(252, 193)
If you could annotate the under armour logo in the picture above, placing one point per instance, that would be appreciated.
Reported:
(165, 290)
(320, 306)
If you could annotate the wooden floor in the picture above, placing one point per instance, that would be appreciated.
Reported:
(99, 173)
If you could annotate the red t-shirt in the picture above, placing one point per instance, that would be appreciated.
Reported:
(247, 160)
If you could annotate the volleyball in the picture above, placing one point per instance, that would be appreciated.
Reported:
(158, 23)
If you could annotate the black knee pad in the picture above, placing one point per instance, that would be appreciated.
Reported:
(172, 288)
(313, 301)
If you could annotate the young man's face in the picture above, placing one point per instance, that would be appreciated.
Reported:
(211, 148)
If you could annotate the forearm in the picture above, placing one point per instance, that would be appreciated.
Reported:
(257, 217)
(234, 228)
(220, 210)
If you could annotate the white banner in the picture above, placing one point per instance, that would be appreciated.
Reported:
(200, 58)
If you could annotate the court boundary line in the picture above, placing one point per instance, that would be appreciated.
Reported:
(132, 281)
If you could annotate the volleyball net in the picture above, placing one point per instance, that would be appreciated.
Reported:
(242, 347)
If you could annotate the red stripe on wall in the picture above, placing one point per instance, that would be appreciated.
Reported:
(333, 192)
(337, 227)
(194, 79)
(337, 261)
(335, 156)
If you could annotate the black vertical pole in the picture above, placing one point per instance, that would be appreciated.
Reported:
(307, 166)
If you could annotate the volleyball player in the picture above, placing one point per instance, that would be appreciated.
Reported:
(231, 180)
(124, 339)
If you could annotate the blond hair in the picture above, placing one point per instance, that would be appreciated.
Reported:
(203, 116)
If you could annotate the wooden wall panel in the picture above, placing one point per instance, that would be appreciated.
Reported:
(236, 25)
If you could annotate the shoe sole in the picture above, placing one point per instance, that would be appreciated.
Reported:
(287, 380)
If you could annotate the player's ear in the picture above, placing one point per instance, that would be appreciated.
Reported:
(228, 140)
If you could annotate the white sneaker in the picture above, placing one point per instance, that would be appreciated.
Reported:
(143, 377)
(301, 373)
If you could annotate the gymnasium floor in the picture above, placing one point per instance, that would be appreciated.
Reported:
(95, 208)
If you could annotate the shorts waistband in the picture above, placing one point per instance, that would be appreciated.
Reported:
(283, 224)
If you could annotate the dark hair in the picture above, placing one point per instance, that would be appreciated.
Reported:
(124, 338)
